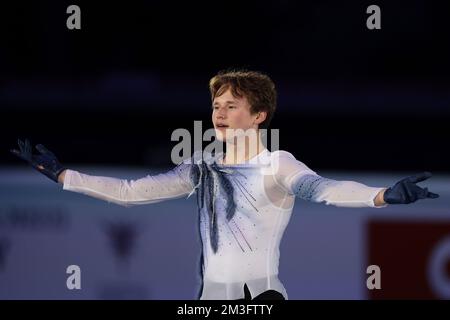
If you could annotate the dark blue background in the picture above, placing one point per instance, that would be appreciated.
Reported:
(349, 98)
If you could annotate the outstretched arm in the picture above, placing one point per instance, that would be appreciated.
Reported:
(353, 194)
(150, 189)
(297, 179)
(315, 188)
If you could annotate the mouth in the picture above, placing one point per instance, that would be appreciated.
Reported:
(221, 126)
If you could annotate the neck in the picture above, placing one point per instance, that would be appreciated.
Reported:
(241, 151)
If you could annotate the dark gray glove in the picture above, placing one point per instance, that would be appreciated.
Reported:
(406, 191)
(45, 162)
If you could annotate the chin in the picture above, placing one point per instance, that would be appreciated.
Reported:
(220, 135)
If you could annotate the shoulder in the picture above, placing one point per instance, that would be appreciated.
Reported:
(282, 154)
(286, 163)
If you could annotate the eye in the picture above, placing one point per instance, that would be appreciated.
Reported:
(231, 107)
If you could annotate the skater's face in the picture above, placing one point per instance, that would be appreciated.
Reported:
(230, 112)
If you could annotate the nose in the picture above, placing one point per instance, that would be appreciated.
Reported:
(221, 113)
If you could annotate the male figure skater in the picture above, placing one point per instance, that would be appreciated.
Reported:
(245, 196)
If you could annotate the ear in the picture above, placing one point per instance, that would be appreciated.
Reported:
(260, 117)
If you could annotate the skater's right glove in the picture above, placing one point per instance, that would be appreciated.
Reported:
(45, 162)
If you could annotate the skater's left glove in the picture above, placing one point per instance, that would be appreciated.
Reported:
(406, 191)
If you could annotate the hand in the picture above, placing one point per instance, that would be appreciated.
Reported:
(406, 191)
(45, 162)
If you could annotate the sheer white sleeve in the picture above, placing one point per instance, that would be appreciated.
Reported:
(150, 189)
(297, 179)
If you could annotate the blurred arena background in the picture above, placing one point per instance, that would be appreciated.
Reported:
(354, 104)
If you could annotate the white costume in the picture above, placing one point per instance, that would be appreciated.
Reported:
(265, 188)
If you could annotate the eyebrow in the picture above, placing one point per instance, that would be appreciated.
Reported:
(226, 102)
